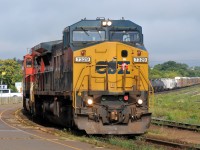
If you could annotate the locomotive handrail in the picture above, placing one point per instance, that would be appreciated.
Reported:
(75, 88)
(89, 80)
(90, 66)
(149, 91)
(74, 99)
(150, 88)
(80, 75)
(88, 74)
(144, 77)
(99, 77)
(141, 73)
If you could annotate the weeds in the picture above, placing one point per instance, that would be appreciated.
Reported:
(181, 106)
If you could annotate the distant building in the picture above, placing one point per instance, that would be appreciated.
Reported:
(18, 86)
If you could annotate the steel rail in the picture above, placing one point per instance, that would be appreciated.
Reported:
(174, 124)
(171, 144)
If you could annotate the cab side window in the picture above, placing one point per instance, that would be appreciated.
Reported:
(66, 38)
(28, 62)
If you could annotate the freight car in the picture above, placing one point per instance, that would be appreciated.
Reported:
(94, 79)
(164, 84)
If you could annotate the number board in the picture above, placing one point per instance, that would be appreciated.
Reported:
(82, 59)
(140, 59)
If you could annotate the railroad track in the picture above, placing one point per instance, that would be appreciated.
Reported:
(171, 144)
(174, 124)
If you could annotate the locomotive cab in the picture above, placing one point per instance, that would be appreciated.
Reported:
(28, 79)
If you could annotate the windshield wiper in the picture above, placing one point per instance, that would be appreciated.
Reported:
(99, 33)
(85, 31)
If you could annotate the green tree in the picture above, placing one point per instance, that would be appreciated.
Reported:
(172, 69)
(13, 72)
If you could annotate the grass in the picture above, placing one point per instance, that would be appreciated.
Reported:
(181, 106)
(130, 144)
(112, 142)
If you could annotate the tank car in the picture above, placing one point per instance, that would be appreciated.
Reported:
(158, 85)
(94, 79)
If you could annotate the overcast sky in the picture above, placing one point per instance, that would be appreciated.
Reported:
(171, 28)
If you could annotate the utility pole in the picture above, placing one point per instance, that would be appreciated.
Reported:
(1, 84)
(1, 78)
(1, 74)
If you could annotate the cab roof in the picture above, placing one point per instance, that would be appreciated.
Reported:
(46, 46)
(123, 24)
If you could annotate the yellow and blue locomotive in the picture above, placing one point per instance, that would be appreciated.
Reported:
(95, 78)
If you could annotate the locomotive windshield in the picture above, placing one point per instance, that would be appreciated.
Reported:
(125, 36)
(28, 62)
(87, 36)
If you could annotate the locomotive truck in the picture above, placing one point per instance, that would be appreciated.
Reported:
(95, 79)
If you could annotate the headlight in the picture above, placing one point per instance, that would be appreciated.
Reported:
(104, 23)
(109, 23)
(140, 101)
(89, 101)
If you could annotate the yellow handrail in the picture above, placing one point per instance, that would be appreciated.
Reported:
(150, 91)
(150, 88)
(151, 96)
